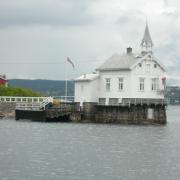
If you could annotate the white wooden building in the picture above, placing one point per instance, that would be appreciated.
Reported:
(124, 77)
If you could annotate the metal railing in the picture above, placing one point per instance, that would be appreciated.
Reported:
(46, 101)
(40, 105)
(22, 99)
(35, 103)
(135, 101)
(34, 99)
(29, 106)
(64, 98)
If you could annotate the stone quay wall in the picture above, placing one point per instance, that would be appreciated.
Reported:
(133, 114)
(7, 109)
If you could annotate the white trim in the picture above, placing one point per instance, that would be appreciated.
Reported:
(154, 59)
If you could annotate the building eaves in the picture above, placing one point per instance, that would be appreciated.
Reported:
(87, 77)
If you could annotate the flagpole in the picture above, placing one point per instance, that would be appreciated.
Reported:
(66, 74)
(66, 81)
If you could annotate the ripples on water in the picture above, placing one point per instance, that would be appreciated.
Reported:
(44, 151)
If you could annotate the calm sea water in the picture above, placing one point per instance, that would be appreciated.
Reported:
(44, 151)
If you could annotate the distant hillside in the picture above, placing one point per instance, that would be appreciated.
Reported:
(14, 91)
(46, 87)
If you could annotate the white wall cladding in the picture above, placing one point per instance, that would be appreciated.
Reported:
(114, 88)
(147, 71)
(87, 91)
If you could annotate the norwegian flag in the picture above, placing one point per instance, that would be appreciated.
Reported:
(69, 61)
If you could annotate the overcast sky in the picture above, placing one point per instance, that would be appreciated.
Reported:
(36, 36)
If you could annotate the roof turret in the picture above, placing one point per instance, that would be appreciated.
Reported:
(146, 43)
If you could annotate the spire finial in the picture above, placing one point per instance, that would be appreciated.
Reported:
(146, 43)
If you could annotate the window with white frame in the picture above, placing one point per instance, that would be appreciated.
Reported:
(108, 84)
(121, 83)
(82, 87)
(141, 84)
(155, 84)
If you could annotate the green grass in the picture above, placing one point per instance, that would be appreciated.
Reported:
(16, 91)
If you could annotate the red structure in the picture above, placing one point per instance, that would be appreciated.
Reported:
(3, 80)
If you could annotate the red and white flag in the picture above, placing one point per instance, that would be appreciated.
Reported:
(69, 61)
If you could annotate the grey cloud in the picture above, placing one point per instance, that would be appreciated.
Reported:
(174, 13)
(66, 13)
(130, 16)
(165, 2)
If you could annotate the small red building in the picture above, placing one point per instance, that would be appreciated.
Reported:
(3, 80)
